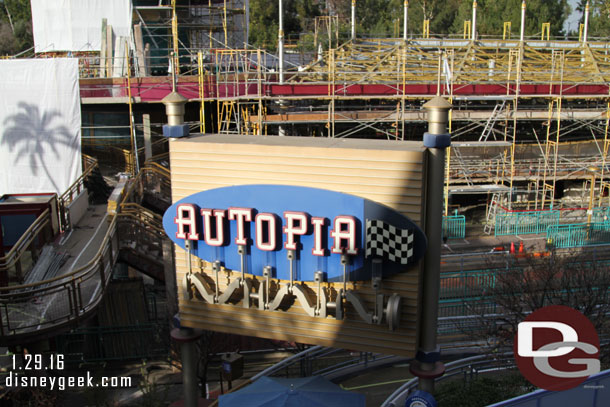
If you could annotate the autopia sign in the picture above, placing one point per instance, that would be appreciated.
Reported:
(307, 229)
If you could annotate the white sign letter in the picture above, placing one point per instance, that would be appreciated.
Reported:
(318, 227)
(207, 226)
(185, 216)
(296, 224)
(265, 222)
(242, 215)
(344, 229)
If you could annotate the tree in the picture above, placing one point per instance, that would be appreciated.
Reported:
(17, 16)
(577, 281)
(441, 14)
(599, 17)
(264, 20)
(491, 15)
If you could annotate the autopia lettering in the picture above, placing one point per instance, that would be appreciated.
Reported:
(295, 224)
(308, 229)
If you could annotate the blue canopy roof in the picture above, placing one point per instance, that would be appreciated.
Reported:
(312, 391)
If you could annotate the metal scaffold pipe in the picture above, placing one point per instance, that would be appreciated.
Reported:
(522, 21)
(281, 130)
(586, 27)
(353, 19)
(281, 42)
(405, 19)
(474, 21)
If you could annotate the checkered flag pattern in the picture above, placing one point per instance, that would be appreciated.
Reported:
(385, 240)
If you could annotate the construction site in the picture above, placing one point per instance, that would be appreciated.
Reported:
(527, 170)
(529, 121)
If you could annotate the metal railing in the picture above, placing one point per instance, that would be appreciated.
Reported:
(65, 199)
(578, 235)
(467, 283)
(40, 231)
(525, 222)
(468, 367)
(35, 308)
(454, 226)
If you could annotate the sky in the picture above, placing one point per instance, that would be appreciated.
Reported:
(572, 21)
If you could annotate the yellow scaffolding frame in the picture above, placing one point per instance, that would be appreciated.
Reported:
(202, 75)
(388, 61)
(506, 28)
(546, 29)
(327, 23)
(467, 28)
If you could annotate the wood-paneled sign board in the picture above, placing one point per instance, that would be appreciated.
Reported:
(310, 240)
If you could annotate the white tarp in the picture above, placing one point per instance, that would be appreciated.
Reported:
(40, 125)
(76, 25)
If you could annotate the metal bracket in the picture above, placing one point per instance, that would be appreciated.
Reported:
(283, 292)
(247, 286)
(202, 287)
(242, 250)
(235, 284)
(339, 305)
(359, 306)
(298, 292)
(216, 268)
(321, 295)
(393, 311)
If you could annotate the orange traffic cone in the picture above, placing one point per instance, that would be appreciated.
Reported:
(521, 247)
(512, 247)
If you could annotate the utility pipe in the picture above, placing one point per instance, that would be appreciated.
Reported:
(281, 130)
(353, 20)
(281, 41)
(522, 21)
(405, 19)
(474, 21)
(586, 28)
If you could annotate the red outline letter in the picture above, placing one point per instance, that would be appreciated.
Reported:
(189, 221)
(290, 230)
(349, 234)
(271, 243)
(219, 214)
(318, 227)
(241, 215)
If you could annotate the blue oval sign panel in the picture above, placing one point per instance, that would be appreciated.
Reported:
(303, 229)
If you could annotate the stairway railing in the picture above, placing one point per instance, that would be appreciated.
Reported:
(32, 310)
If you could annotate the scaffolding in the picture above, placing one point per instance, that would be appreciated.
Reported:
(528, 113)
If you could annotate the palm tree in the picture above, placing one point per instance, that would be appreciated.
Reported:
(32, 133)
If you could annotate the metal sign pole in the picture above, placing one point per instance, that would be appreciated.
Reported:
(427, 365)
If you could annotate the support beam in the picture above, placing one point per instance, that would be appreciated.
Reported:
(473, 34)
(428, 365)
(353, 20)
(522, 21)
(586, 27)
(405, 19)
